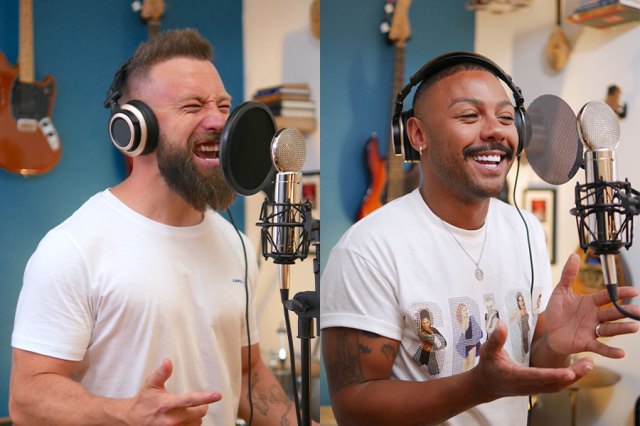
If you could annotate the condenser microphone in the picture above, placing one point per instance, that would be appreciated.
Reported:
(599, 131)
(288, 153)
(605, 220)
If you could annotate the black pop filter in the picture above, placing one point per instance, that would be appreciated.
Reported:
(245, 148)
(554, 150)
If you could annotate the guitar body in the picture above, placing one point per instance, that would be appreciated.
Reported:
(373, 199)
(558, 49)
(29, 143)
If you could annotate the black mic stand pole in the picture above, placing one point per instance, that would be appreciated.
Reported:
(306, 305)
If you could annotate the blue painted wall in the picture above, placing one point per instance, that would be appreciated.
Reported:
(356, 83)
(81, 44)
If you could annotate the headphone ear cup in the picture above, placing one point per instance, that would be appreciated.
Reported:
(523, 127)
(397, 131)
(133, 128)
(151, 122)
(410, 155)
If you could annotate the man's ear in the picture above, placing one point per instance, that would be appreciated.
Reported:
(416, 133)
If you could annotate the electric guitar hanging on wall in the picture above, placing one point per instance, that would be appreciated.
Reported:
(151, 12)
(378, 172)
(29, 142)
(390, 173)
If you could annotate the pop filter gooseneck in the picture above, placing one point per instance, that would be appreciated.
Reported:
(245, 148)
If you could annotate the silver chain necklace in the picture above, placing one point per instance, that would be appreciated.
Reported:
(478, 272)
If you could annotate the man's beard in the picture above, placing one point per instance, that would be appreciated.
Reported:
(456, 176)
(180, 173)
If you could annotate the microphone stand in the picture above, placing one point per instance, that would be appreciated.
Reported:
(619, 207)
(306, 304)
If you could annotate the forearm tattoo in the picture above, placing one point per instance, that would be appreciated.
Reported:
(266, 399)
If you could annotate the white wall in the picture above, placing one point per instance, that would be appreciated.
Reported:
(279, 47)
(599, 58)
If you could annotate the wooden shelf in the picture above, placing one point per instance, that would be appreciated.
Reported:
(608, 15)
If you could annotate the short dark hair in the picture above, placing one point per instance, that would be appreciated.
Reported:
(446, 72)
(164, 46)
(424, 314)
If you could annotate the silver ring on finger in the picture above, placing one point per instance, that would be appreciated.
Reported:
(598, 330)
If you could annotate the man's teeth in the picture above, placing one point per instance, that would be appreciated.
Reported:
(487, 158)
(209, 151)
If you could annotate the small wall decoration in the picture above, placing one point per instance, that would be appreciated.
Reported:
(542, 203)
(613, 100)
(558, 46)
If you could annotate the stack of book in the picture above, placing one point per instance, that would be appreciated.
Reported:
(290, 104)
(592, 4)
(605, 13)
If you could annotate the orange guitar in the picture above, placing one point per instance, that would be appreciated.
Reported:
(377, 168)
(389, 180)
(29, 142)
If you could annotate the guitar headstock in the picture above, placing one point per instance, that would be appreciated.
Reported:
(396, 25)
(152, 10)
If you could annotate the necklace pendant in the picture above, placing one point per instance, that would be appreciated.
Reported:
(479, 274)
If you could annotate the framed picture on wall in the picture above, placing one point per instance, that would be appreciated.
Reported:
(311, 191)
(542, 203)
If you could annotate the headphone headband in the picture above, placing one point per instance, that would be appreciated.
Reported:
(115, 90)
(133, 127)
(450, 59)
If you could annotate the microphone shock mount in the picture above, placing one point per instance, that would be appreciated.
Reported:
(276, 218)
(605, 225)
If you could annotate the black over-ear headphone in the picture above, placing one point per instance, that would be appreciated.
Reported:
(133, 127)
(402, 145)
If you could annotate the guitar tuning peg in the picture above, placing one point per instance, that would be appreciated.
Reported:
(385, 27)
(388, 8)
(136, 6)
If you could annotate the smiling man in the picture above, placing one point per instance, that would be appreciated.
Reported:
(134, 310)
(447, 251)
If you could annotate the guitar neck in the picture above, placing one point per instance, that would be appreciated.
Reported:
(25, 52)
(152, 12)
(153, 27)
(395, 163)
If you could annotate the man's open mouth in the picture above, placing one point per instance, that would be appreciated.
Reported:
(208, 150)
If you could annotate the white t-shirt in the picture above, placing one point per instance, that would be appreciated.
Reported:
(401, 264)
(119, 293)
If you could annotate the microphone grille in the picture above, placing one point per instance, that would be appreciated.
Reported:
(288, 150)
(598, 125)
